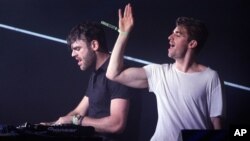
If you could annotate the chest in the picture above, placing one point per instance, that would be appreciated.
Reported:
(98, 90)
(179, 87)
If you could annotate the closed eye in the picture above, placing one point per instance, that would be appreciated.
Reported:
(76, 48)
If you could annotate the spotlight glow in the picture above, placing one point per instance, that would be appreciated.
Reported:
(126, 57)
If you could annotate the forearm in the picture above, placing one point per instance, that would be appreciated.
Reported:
(81, 108)
(116, 59)
(126, 23)
(216, 121)
(72, 113)
(104, 125)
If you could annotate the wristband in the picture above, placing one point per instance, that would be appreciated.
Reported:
(122, 32)
(77, 119)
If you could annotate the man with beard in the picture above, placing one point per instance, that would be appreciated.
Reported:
(105, 105)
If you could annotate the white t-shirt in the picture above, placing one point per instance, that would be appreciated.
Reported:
(184, 100)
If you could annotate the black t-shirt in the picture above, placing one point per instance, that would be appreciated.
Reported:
(101, 91)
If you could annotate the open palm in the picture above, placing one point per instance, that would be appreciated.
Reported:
(126, 21)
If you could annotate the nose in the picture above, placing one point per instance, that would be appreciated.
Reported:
(73, 54)
(170, 37)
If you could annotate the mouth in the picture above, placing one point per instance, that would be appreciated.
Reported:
(79, 61)
(171, 45)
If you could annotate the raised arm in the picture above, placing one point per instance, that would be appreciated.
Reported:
(133, 77)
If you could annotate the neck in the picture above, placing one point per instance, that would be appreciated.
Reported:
(188, 64)
(100, 59)
(185, 66)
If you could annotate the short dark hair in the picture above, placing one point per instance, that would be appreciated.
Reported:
(196, 29)
(88, 31)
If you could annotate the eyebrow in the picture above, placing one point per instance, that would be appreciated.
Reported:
(178, 32)
(75, 47)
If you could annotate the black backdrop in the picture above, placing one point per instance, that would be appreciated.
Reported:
(39, 81)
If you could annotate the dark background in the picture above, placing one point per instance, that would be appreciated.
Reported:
(39, 81)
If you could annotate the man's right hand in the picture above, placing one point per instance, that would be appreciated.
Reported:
(62, 120)
(126, 21)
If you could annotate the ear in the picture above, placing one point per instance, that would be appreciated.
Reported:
(94, 45)
(192, 44)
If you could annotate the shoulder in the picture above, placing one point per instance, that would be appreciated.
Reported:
(211, 72)
(212, 76)
(157, 70)
(157, 66)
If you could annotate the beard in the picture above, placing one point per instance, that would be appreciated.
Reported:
(88, 60)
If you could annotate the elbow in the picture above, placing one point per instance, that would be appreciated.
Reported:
(118, 126)
(110, 76)
(118, 129)
(115, 127)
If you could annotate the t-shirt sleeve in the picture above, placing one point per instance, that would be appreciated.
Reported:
(152, 72)
(216, 97)
(118, 90)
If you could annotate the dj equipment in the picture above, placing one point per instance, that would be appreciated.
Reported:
(204, 135)
(62, 132)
